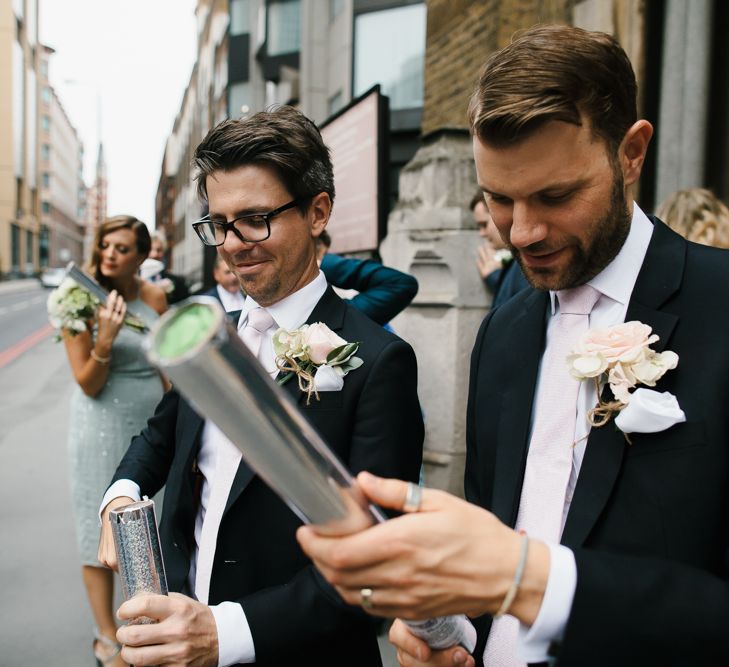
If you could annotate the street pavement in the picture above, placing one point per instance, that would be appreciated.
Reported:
(44, 614)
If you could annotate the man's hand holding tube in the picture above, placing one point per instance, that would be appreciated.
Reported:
(107, 552)
(450, 557)
(414, 652)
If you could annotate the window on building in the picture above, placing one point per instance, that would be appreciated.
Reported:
(283, 27)
(18, 198)
(46, 207)
(334, 103)
(46, 178)
(28, 246)
(43, 246)
(46, 123)
(15, 248)
(44, 68)
(335, 6)
(389, 49)
(239, 99)
(45, 152)
(240, 17)
(46, 94)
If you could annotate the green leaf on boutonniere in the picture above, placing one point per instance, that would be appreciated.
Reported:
(341, 354)
(285, 378)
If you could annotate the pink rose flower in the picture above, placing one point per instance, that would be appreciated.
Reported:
(320, 340)
(625, 343)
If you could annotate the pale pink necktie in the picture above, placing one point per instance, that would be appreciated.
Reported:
(549, 460)
(227, 460)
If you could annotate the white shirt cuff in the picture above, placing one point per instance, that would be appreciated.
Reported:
(533, 642)
(235, 641)
(122, 487)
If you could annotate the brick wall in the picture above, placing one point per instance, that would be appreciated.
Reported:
(460, 36)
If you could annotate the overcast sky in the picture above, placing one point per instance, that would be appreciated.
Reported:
(136, 55)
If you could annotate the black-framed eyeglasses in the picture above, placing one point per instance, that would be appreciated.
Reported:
(252, 228)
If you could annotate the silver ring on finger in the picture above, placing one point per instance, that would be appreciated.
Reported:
(413, 498)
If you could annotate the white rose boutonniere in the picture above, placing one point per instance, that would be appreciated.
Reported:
(622, 355)
(310, 350)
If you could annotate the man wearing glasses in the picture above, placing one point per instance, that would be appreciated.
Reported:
(251, 594)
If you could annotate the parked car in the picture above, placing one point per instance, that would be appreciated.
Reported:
(52, 277)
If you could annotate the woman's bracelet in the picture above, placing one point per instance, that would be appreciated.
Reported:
(98, 359)
(516, 581)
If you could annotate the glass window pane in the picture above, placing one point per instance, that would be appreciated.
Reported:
(239, 99)
(240, 17)
(390, 50)
(283, 27)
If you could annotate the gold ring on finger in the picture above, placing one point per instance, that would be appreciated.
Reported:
(365, 596)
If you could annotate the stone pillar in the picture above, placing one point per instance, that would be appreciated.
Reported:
(432, 236)
(684, 90)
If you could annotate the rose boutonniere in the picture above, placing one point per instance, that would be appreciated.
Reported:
(312, 350)
(622, 356)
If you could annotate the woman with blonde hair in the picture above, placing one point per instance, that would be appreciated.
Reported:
(698, 215)
(117, 391)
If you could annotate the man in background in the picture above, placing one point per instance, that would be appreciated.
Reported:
(379, 291)
(502, 276)
(175, 286)
(227, 288)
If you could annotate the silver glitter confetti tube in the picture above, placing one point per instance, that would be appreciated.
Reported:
(138, 551)
(199, 349)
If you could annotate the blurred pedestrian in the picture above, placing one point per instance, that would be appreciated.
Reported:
(117, 391)
(379, 291)
(227, 288)
(175, 286)
(501, 274)
(698, 215)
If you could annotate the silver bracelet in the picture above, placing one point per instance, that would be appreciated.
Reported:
(516, 581)
(98, 359)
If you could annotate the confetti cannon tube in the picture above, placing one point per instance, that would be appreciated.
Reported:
(199, 349)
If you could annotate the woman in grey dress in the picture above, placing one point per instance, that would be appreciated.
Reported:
(116, 392)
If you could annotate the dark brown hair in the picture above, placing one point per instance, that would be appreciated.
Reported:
(555, 72)
(281, 138)
(143, 242)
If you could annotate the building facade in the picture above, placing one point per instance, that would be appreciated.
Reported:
(19, 171)
(315, 55)
(62, 191)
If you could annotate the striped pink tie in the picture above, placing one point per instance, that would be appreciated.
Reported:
(549, 461)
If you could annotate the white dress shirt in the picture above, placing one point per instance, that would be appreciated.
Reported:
(615, 284)
(235, 641)
(231, 300)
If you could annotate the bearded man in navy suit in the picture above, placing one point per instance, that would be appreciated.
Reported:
(269, 187)
(635, 571)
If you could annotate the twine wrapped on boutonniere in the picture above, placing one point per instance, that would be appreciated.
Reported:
(302, 352)
(620, 355)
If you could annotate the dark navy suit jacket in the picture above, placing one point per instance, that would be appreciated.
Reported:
(374, 423)
(649, 521)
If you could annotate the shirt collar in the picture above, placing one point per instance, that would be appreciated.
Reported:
(292, 311)
(617, 280)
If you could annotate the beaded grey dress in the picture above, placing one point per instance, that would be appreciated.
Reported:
(101, 427)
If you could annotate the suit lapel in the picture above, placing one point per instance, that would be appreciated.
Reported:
(659, 278)
(526, 335)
